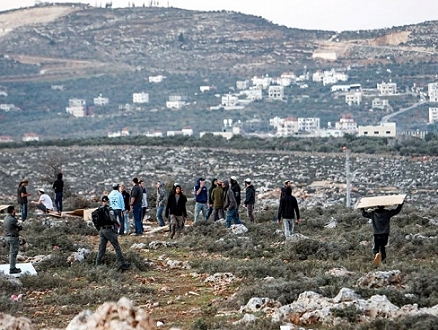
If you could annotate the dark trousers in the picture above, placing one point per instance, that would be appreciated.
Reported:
(380, 241)
(108, 234)
(58, 201)
(13, 244)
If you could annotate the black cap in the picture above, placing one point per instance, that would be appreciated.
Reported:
(105, 199)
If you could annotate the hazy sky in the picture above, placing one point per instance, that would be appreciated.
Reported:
(337, 15)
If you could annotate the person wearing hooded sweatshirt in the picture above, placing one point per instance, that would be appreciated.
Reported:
(210, 200)
(201, 199)
(230, 204)
(380, 219)
(58, 187)
(249, 198)
(176, 211)
(287, 210)
(161, 202)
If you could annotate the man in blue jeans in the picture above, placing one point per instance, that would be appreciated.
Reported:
(136, 202)
(230, 205)
(201, 199)
(22, 198)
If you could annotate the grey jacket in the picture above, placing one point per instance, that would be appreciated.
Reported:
(11, 225)
(230, 200)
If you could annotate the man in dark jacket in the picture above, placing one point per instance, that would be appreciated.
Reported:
(12, 228)
(230, 204)
(380, 219)
(176, 211)
(108, 233)
(287, 211)
(235, 187)
(217, 196)
(210, 200)
(58, 186)
(249, 198)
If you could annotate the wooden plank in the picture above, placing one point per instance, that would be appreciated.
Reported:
(384, 200)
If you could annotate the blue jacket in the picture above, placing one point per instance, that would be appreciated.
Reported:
(202, 196)
(116, 200)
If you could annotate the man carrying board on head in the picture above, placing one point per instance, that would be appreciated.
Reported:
(380, 220)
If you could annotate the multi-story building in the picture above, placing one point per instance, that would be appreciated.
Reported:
(262, 82)
(353, 98)
(5, 139)
(140, 98)
(243, 84)
(432, 91)
(229, 100)
(378, 103)
(276, 92)
(382, 130)
(347, 125)
(309, 125)
(433, 115)
(387, 88)
(78, 108)
(254, 93)
(100, 101)
(286, 127)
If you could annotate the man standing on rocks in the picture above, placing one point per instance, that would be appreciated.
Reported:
(249, 199)
(201, 199)
(12, 228)
(135, 204)
(380, 219)
(22, 198)
(287, 211)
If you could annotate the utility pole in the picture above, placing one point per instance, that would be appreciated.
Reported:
(347, 174)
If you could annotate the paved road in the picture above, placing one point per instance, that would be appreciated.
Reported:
(386, 118)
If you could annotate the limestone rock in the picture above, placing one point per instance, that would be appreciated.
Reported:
(113, 316)
(19, 323)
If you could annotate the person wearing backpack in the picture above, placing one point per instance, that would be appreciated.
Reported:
(107, 223)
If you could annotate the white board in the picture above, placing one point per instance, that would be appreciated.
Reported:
(26, 268)
(384, 200)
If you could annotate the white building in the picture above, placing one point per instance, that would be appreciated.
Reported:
(433, 115)
(175, 104)
(7, 107)
(387, 88)
(184, 131)
(262, 82)
(229, 100)
(309, 125)
(378, 103)
(346, 124)
(254, 93)
(243, 84)
(154, 134)
(276, 92)
(353, 98)
(140, 98)
(100, 101)
(227, 133)
(77, 108)
(204, 88)
(318, 76)
(156, 79)
(286, 127)
(340, 88)
(30, 137)
(5, 139)
(382, 130)
(432, 91)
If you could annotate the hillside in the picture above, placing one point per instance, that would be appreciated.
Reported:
(65, 40)
(50, 54)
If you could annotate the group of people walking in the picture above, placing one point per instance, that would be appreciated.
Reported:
(222, 200)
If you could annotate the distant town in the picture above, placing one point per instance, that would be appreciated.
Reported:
(270, 89)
